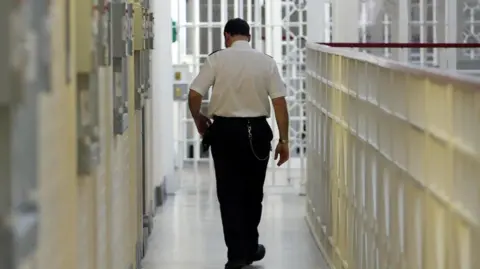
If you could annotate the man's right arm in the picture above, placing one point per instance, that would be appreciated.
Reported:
(281, 115)
(277, 92)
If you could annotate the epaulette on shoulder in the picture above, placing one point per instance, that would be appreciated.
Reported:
(268, 55)
(214, 52)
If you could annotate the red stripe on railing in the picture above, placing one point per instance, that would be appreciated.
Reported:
(401, 45)
(284, 38)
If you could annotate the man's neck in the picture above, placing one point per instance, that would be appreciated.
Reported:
(240, 43)
(239, 38)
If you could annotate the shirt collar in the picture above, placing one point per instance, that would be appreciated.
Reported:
(242, 44)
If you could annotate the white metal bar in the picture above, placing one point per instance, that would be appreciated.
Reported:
(421, 8)
(268, 30)
(223, 12)
(241, 10)
(276, 25)
(236, 10)
(435, 33)
(275, 47)
(472, 29)
(258, 26)
(268, 50)
(403, 28)
(196, 68)
(181, 46)
(451, 32)
(250, 11)
(210, 50)
(210, 20)
(386, 30)
(290, 72)
(363, 22)
(302, 111)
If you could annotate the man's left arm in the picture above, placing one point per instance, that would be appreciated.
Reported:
(199, 87)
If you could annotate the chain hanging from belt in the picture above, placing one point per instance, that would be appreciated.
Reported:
(250, 138)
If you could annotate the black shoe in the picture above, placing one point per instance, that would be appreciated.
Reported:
(259, 255)
(235, 264)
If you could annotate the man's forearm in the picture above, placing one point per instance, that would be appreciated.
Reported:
(194, 103)
(282, 122)
(281, 114)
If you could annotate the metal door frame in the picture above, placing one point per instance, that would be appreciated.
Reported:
(199, 33)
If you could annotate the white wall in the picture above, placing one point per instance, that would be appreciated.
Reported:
(163, 140)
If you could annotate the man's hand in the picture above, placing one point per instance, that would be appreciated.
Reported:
(283, 151)
(202, 122)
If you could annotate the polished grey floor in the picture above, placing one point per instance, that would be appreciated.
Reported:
(188, 231)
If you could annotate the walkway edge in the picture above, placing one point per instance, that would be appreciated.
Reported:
(319, 245)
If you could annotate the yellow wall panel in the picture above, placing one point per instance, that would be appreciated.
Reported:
(57, 247)
(92, 221)
(103, 174)
(86, 227)
(120, 202)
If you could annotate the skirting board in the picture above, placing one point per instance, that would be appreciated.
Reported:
(311, 228)
(139, 255)
(145, 242)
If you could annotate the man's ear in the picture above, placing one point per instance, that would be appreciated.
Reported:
(249, 38)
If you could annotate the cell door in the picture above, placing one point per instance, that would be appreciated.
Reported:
(278, 29)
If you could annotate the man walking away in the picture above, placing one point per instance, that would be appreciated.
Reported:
(242, 80)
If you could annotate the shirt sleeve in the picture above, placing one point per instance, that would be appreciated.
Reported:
(205, 78)
(276, 87)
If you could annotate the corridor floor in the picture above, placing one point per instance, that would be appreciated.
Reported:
(188, 232)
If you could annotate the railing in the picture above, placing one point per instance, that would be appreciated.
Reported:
(464, 57)
(393, 162)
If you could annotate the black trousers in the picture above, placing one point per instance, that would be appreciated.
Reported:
(240, 178)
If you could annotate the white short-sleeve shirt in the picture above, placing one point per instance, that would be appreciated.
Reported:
(243, 80)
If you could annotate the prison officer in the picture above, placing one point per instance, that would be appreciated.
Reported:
(242, 80)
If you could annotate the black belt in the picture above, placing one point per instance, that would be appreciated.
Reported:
(239, 119)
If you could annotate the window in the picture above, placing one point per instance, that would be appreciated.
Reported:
(211, 37)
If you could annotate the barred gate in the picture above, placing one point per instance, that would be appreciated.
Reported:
(278, 28)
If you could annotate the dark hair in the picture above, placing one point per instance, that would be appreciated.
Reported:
(237, 27)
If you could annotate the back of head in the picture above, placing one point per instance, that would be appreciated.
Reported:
(236, 27)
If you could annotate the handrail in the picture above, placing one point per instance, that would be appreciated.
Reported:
(438, 74)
